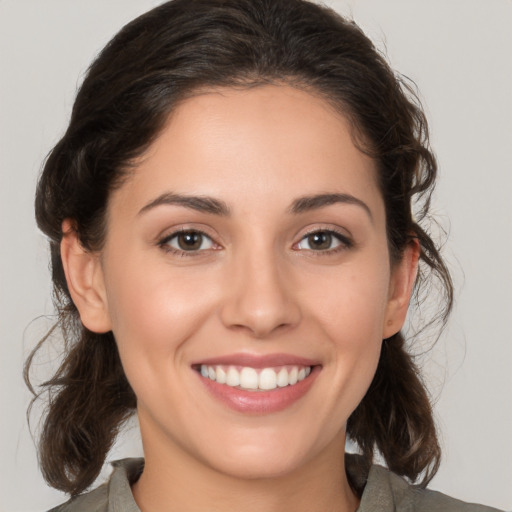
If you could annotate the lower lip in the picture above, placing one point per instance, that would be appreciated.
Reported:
(260, 402)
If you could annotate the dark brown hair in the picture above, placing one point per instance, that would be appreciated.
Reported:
(153, 63)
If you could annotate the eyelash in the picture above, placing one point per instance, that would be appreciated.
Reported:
(164, 243)
(344, 242)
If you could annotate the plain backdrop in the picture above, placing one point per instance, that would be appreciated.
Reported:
(457, 51)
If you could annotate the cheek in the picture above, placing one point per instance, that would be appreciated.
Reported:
(351, 304)
(351, 314)
(154, 311)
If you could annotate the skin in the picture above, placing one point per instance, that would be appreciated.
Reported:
(258, 288)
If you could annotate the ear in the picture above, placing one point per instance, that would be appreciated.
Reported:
(403, 276)
(84, 277)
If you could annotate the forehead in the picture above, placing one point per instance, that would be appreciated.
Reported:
(245, 144)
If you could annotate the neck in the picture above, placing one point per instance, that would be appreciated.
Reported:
(186, 484)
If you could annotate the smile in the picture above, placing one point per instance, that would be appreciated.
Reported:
(252, 379)
(258, 384)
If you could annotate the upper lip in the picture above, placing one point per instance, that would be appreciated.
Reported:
(258, 361)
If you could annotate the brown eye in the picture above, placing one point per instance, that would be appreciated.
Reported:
(189, 241)
(323, 241)
(320, 241)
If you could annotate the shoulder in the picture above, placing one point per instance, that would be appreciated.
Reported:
(387, 492)
(94, 501)
(409, 498)
(115, 494)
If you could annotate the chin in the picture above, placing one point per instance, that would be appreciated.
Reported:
(259, 467)
(276, 455)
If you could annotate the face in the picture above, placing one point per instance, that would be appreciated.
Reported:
(246, 278)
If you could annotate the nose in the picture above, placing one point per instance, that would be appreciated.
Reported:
(260, 296)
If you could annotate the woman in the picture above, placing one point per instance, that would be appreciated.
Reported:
(229, 215)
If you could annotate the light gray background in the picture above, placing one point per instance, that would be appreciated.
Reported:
(458, 52)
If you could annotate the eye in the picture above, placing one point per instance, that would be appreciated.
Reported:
(323, 240)
(188, 241)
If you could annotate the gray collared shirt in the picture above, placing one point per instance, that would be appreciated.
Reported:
(382, 491)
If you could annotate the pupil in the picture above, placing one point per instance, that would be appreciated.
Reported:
(190, 241)
(319, 241)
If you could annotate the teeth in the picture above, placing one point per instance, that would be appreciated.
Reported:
(232, 378)
(251, 379)
(220, 375)
(267, 379)
(282, 378)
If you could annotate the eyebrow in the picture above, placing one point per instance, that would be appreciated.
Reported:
(200, 203)
(307, 203)
(214, 206)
